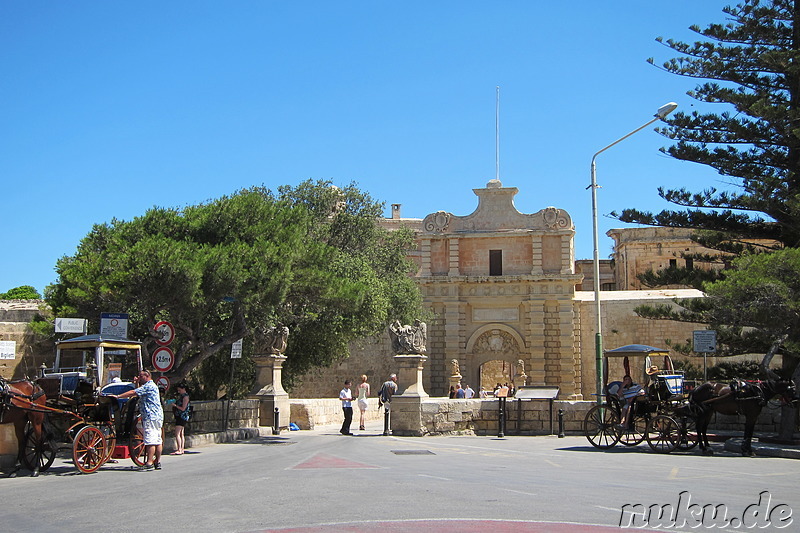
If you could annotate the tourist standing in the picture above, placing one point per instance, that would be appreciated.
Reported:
(152, 418)
(459, 392)
(346, 397)
(388, 389)
(363, 392)
(181, 411)
(468, 392)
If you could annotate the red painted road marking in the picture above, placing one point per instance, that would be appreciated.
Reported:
(322, 460)
(448, 526)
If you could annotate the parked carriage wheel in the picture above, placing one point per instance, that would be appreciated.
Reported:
(136, 443)
(89, 449)
(600, 426)
(663, 434)
(689, 438)
(635, 432)
(41, 453)
(110, 434)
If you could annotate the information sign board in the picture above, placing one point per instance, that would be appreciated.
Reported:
(71, 325)
(705, 341)
(236, 349)
(8, 349)
(114, 325)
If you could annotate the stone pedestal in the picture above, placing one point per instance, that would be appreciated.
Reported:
(409, 375)
(406, 407)
(269, 390)
(455, 379)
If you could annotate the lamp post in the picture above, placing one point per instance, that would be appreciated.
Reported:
(662, 112)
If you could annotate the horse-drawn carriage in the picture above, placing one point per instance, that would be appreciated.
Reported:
(659, 410)
(77, 411)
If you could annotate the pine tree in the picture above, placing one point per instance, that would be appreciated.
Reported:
(752, 64)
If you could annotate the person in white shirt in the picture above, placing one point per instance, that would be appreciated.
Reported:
(346, 396)
(468, 392)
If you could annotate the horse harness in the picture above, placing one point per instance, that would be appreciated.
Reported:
(741, 390)
(8, 395)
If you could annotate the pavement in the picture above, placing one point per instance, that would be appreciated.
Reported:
(732, 440)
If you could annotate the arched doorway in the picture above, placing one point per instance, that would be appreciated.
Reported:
(494, 350)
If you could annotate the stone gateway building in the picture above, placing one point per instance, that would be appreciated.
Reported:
(501, 285)
(501, 288)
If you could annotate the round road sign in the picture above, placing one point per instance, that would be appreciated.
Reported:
(164, 332)
(163, 359)
(163, 383)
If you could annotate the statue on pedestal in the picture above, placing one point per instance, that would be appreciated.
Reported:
(456, 370)
(272, 341)
(408, 339)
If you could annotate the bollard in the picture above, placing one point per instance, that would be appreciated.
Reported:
(386, 408)
(502, 422)
(276, 423)
(560, 423)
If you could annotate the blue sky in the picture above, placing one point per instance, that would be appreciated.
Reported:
(110, 108)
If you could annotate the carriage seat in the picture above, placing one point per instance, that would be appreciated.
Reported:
(613, 387)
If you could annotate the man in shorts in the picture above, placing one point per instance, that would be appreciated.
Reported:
(152, 418)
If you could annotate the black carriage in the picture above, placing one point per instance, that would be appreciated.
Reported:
(81, 413)
(658, 414)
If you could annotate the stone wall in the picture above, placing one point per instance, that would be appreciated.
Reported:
(14, 318)
(308, 414)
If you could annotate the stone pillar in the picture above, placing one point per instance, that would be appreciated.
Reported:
(406, 414)
(269, 390)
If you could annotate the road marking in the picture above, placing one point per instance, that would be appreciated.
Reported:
(607, 508)
(548, 461)
(673, 473)
(435, 477)
(520, 492)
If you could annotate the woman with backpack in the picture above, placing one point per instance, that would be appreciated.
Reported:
(182, 412)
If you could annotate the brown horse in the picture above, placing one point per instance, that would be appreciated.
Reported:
(23, 401)
(739, 398)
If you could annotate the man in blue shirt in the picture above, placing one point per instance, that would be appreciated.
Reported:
(152, 418)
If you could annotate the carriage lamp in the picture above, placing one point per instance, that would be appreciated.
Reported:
(662, 112)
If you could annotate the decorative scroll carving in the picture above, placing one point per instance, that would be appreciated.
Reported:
(408, 339)
(554, 218)
(437, 222)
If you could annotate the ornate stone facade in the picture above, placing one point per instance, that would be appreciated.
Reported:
(501, 285)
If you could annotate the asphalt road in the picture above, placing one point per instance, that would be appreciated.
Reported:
(322, 481)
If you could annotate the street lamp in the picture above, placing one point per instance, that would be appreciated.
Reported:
(662, 112)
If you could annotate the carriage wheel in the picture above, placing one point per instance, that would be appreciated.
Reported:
(663, 434)
(136, 443)
(38, 453)
(635, 432)
(110, 435)
(89, 449)
(689, 437)
(600, 426)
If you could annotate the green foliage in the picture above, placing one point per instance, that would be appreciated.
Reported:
(726, 372)
(23, 292)
(312, 258)
(750, 67)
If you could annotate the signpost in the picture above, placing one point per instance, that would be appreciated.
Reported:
(8, 349)
(165, 333)
(71, 325)
(163, 359)
(705, 342)
(163, 383)
(236, 353)
(114, 325)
